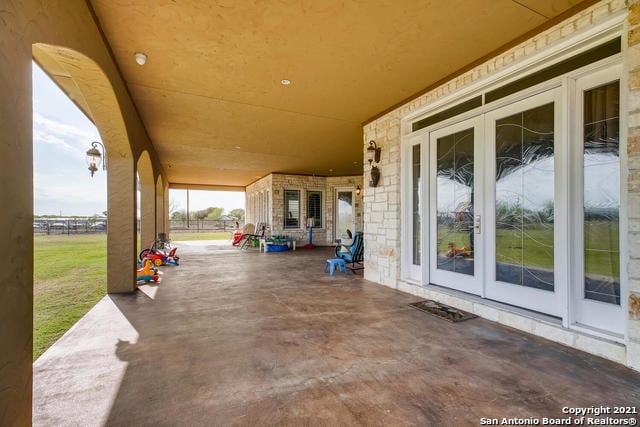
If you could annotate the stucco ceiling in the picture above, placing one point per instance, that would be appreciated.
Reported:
(210, 94)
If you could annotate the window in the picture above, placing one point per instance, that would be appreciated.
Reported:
(314, 207)
(292, 208)
(601, 200)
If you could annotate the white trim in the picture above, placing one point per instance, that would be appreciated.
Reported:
(574, 44)
(285, 212)
(589, 313)
(323, 208)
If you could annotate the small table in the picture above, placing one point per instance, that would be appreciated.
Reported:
(264, 242)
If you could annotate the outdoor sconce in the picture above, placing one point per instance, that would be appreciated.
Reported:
(373, 155)
(373, 152)
(358, 190)
(95, 157)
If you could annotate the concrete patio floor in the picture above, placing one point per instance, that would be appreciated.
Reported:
(239, 338)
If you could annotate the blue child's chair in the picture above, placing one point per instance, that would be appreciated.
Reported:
(354, 253)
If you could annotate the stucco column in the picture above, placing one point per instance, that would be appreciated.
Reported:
(121, 234)
(165, 209)
(16, 222)
(159, 206)
(147, 213)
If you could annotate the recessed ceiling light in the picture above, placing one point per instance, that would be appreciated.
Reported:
(330, 170)
(141, 58)
(237, 148)
(285, 82)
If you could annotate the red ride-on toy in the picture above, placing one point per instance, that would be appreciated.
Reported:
(158, 257)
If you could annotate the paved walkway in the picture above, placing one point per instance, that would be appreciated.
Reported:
(239, 338)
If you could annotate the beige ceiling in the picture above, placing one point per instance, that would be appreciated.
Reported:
(210, 93)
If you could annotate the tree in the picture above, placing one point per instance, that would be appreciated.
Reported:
(238, 213)
(215, 213)
(178, 215)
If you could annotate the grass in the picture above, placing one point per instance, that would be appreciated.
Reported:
(69, 278)
(217, 235)
(537, 247)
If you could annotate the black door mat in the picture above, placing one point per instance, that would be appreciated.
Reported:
(443, 311)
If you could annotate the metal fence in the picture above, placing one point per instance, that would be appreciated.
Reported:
(93, 225)
(204, 225)
(69, 226)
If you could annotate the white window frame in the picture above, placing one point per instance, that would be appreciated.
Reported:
(285, 212)
(322, 207)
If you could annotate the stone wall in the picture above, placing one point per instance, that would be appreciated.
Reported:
(633, 181)
(275, 184)
(382, 214)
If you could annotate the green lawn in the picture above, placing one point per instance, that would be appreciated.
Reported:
(217, 235)
(536, 246)
(70, 275)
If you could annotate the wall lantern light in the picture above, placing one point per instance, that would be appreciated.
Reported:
(95, 157)
(358, 190)
(373, 152)
(373, 156)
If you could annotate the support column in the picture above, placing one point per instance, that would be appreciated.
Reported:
(121, 234)
(165, 209)
(147, 212)
(160, 206)
(16, 220)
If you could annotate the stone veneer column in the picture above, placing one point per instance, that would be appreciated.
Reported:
(382, 204)
(121, 234)
(633, 181)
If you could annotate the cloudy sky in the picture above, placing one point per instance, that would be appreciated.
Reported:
(62, 134)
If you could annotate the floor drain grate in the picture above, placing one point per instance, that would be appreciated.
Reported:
(443, 311)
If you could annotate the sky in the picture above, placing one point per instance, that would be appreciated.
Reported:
(62, 134)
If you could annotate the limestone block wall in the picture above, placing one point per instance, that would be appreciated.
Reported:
(382, 214)
(261, 187)
(633, 180)
(274, 186)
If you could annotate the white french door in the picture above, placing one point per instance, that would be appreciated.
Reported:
(522, 203)
(345, 218)
(456, 239)
(525, 213)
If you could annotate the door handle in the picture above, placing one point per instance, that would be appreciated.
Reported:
(476, 224)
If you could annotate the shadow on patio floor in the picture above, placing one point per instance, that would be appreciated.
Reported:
(237, 337)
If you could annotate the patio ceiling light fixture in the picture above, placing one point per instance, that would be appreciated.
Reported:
(95, 157)
(141, 58)
(373, 156)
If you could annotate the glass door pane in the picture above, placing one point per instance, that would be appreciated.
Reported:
(415, 178)
(524, 205)
(344, 214)
(454, 202)
(601, 202)
(455, 206)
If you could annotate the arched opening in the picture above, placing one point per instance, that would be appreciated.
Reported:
(147, 205)
(161, 213)
(89, 88)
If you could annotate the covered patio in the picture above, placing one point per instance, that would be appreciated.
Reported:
(303, 105)
(241, 338)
